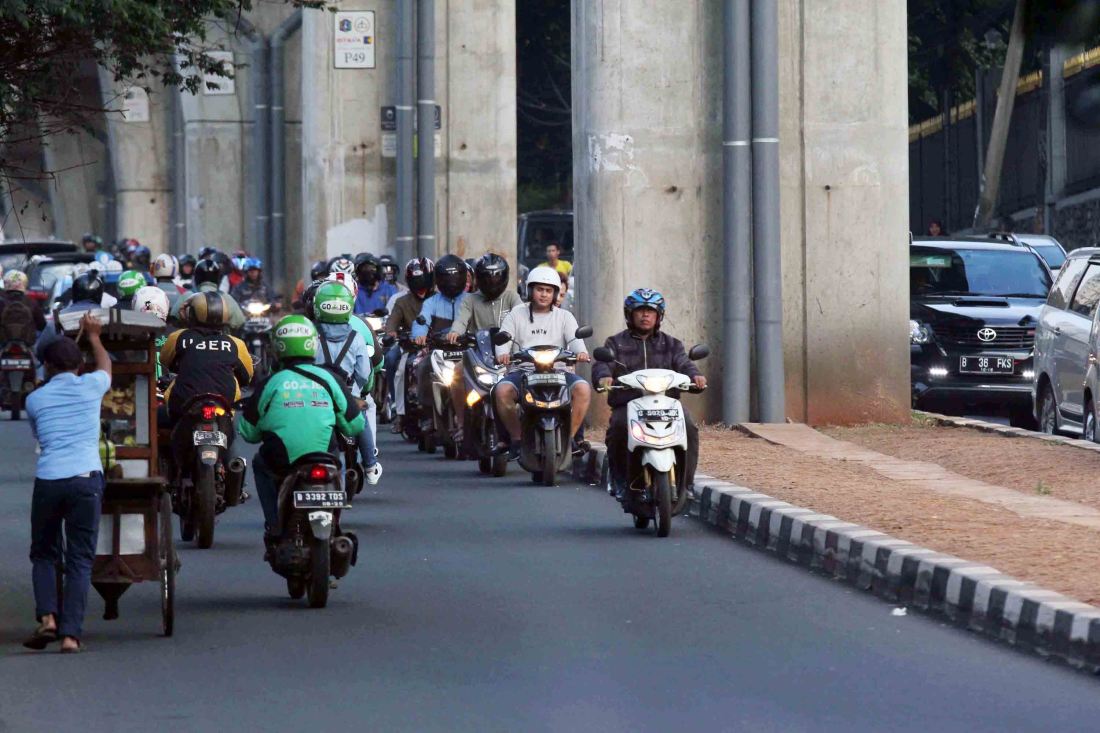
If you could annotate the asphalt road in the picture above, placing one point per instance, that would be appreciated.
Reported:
(498, 605)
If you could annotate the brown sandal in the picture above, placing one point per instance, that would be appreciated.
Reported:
(73, 649)
(41, 638)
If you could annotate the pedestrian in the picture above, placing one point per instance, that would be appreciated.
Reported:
(553, 260)
(68, 484)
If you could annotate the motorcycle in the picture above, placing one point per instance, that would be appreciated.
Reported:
(257, 335)
(380, 391)
(204, 481)
(17, 376)
(480, 373)
(656, 442)
(353, 467)
(445, 358)
(545, 408)
(411, 355)
(310, 547)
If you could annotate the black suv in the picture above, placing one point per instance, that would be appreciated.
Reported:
(973, 306)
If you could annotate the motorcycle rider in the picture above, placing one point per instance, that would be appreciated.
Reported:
(483, 309)
(538, 323)
(165, 271)
(208, 278)
(439, 312)
(289, 428)
(203, 357)
(15, 291)
(87, 292)
(374, 291)
(643, 345)
(91, 243)
(389, 269)
(344, 351)
(186, 271)
(253, 286)
(420, 278)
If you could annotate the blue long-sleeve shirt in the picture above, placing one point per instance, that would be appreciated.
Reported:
(438, 306)
(368, 302)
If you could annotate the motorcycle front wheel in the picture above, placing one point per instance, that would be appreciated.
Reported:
(549, 459)
(662, 491)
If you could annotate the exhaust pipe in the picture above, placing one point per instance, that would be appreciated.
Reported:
(340, 561)
(234, 481)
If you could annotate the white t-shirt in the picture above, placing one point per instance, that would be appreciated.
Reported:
(555, 328)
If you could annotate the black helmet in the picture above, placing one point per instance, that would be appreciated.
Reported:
(450, 275)
(389, 268)
(309, 294)
(420, 275)
(367, 270)
(185, 261)
(491, 272)
(210, 309)
(319, 270)
(207, 271)
(207, 253)
(88, 287)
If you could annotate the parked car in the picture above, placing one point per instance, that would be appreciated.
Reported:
(538, 229)
(1062, 343)
(16, 255)
(974, 306)
(44, 271)
(1049, 248)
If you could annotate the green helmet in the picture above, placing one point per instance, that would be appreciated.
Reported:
(295, 338)
(333, 303)
(129, 283)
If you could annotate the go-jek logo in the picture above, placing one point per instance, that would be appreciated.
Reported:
(335, 306)
(294, 329)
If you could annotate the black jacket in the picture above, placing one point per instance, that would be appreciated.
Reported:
(659, 351)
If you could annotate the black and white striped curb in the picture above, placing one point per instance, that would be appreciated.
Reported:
(974, 596)
(1005, 430)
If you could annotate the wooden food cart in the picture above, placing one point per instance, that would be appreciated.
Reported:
(135, 529)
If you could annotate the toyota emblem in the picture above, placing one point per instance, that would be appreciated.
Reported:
(986, 334)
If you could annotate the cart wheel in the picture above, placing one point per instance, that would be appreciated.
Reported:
(296, 587)
(500, 465)
(167, 554)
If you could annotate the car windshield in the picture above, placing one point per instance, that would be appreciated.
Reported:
(12, 261)
(46, 274)
(992, 272)
(1051, 253)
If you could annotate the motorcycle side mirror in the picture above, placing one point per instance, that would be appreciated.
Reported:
(380, 313)
(583, 332)
(420, 320)
(699, 352)
(500, 338)
(604, 355)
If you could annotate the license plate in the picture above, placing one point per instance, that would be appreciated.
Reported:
(22, 364)
(320, 499)
(260, 321)
(452, 355)
(547, 378)
(659, 415)
(987, 365)
(211, 437)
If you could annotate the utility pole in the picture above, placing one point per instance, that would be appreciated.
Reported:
(1002, 118)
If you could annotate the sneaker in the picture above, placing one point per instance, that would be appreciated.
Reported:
(395, 428)
(374, 473)
(513, 452)
(580, 447)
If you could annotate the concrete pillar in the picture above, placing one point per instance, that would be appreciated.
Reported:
(844, 198)
(480, 120)
(79, 162)
(25, 206)
(647, 156)
(139, 145)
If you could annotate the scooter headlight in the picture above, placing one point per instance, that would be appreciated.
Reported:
(656, 385)
(486, 378)
(545, 357)
(255, 308)
(375, 323)
(472, 398)
(448, 374)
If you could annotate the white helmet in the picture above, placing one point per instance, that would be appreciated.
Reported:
(543, 275)
(165, 265)
(345, 279)
(343, 265)
(151, 299)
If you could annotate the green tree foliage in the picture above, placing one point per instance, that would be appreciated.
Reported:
(48, 45)
(544, 108)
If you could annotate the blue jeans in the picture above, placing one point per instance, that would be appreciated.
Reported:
(368, 439)
(267, 488)
(73, 504)
(391, 360)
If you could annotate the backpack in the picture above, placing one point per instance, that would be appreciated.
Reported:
(333, 365)
(17, 322)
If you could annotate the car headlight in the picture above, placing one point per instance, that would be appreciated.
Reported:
(919, 333)
(656, 385)
(545, 357)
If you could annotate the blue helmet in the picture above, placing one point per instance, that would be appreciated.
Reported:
(252, 263)
(644, 298)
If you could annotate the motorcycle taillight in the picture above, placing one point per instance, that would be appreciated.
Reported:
(209, 412)
(16, 350)
(318, 473)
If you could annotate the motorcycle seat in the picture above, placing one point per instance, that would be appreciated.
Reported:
(316, 457)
